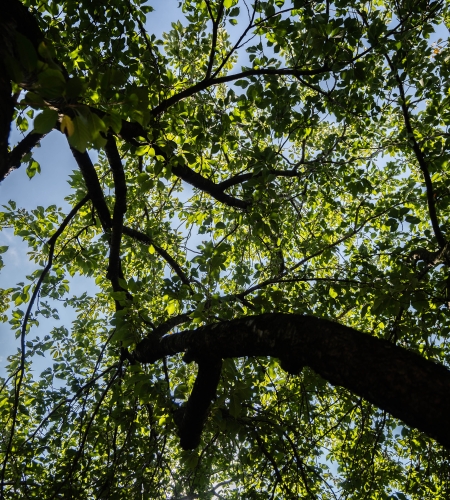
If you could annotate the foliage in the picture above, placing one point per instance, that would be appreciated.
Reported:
(310, 175)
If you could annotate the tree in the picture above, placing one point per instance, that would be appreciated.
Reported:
(268, 241)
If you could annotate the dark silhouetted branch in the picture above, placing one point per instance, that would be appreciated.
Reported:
(204, 84)
(216, 24)
(420, 158)
(191, 417)
(238, 179)
(24, 147)
(191, 177)
(93, 185)
(120, 207)
(399, 381)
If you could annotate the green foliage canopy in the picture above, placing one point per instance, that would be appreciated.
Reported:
(279, 165)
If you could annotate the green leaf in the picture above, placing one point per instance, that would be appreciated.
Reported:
(81, 134)
(45, 121)
(114, 122)
(33, 168)
(52, 83)
(412, 219)
(332, 292)
(289, 204)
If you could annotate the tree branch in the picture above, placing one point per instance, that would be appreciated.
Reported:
(191, 177)
(21, 370)
(15, 19)
(120, 207)
(399, 381)
(216, 23)
(143, 238)
(267, 454)
(238, 179)
(204, 84)
(195, 179)
(24, 147)
(191, 417)
(93, 185)
(420, 158)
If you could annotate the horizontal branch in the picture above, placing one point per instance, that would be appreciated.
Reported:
(240, 178)
(399, 381)
(204, 84)
(215, 190)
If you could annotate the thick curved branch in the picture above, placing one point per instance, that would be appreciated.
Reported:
(131, 130)
(399, 381)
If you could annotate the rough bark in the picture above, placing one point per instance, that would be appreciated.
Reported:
(405, 384)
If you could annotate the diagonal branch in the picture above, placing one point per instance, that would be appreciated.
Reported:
(216, 23)
(93, 185)
(143, 238)
(420, 158)
(215, 190)
(131, 130)
(206, 185)
(267, 454)
(14, 159)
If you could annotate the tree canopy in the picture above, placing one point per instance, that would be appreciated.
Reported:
(262, 204)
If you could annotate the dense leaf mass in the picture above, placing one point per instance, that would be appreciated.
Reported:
(262, 203)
